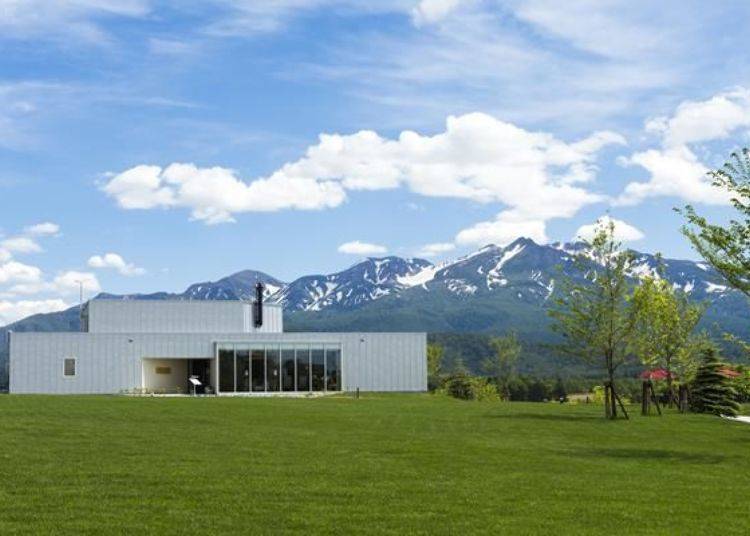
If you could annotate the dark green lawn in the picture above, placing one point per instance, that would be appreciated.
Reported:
(398, 464)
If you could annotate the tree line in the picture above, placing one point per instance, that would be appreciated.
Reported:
(607, 319)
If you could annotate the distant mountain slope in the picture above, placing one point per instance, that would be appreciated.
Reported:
(489, 291)
(239, 286)
(364, 282)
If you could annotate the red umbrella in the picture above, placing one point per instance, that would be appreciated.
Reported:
(729, 372)
(655, 374)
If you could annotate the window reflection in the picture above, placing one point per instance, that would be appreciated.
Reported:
(333, 368)
(303, 368)
(288, 379)
(272, 368)
(226, 369)
(258, 369)
(242, 369)
(317, 359)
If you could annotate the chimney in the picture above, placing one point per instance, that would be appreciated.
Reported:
(258, 316)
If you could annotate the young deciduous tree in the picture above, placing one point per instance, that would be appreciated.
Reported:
(726, 248)
(664, 323)
(435, 354)
(593, 314)
(503, 364)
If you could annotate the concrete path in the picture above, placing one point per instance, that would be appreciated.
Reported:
(741, 418)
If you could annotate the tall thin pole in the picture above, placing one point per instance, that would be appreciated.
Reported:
(80, 304)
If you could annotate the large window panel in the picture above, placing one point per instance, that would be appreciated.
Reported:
(318, 370)
(288, 378)
(226, 369)
(303, 368)
(243, 369)
(258, 369)
(333, 368)
(272, 368)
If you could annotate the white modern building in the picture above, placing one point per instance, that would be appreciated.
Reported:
(229, 347)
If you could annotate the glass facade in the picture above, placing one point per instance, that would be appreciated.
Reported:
(288, 369)
(333, 368)
(318, 368)
(226, 368)
(258, 358)
(303, 368)
(242, 360)
(272, 368)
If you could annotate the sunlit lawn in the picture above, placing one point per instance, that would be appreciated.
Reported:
(397, 463)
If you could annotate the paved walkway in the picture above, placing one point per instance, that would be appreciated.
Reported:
(741, 418)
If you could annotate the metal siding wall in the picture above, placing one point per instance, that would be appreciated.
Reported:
(108, 363)
(141, 316)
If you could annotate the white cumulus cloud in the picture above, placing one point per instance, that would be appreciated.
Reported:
(623, 232)
(69, 282)
(674, 169)
(361, 248)
(214, 194)
(116, 262)
(20, 244)
(64, 284)
(11, 311)
(43, 229)
(713, 119)
(16, 272)
(478, 157)
(503, 230)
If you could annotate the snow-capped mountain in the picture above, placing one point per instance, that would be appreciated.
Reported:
(525, 270)
(530, 271)
(236, 286)
(364, 282)
(492, 290)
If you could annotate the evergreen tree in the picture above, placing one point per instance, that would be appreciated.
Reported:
(712, 392)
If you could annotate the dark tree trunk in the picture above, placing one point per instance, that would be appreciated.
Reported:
(670, 387)
(683, 398)
(612, 395)
(607, 404)
(646, 398)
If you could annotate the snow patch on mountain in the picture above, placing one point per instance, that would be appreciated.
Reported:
(495, 275)
(420, 278)
(712, 288)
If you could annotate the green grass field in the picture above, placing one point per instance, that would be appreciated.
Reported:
(398, 464)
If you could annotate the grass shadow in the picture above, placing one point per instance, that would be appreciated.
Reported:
(666, 455)
(546, 417)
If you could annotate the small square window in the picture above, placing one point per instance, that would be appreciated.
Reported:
(69, 367)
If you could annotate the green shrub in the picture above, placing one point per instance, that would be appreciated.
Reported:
(741, 385)
(464, 386)
(484, 391)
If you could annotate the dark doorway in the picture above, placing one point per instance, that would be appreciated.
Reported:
(201, 368)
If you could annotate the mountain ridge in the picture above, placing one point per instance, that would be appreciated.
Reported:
(493, 289)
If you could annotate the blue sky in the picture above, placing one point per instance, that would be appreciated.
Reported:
(164, 143)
